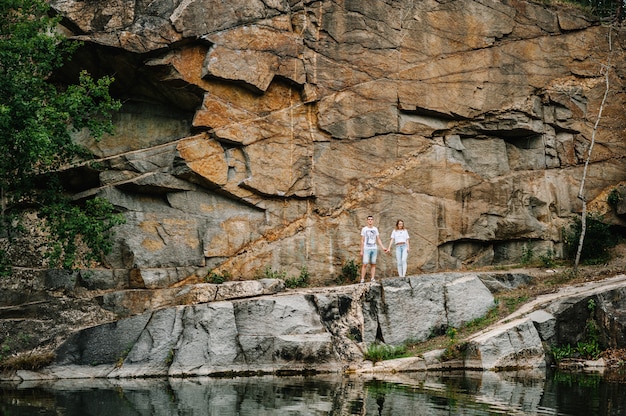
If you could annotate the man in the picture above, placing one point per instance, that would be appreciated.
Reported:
(370, 238)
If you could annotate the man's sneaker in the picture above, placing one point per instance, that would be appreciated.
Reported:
(362, 280)
(373, 280)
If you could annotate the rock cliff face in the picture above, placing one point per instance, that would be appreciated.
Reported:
(260, 134)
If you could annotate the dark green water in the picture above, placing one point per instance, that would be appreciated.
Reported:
(405, 394)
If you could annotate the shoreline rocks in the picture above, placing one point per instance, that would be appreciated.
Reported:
(323, 330)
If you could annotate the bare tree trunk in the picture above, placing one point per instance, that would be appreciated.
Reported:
(581, 193)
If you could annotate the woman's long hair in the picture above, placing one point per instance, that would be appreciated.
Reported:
(398, 224)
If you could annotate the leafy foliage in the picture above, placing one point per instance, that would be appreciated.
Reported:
(547, 259)
(603, 8)
(217, 278)
(37, 118)
(527, 254)
(598, 240)
(349, 272)
(454, 351)
(269, 273)
(562, 353)
(92, 222)
(301, 281)
(589, 347)
(614, 197)
(380, 352)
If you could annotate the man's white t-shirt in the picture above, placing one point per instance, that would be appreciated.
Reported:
(370, 235)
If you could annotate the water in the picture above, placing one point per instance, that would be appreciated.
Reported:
(462, 393)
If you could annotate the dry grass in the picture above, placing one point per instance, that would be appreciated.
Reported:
(30, 361)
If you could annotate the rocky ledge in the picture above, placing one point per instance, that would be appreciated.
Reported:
(328, 329)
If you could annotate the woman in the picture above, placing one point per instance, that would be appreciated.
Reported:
(400, 236)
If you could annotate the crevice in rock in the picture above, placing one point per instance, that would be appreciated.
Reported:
(278, 196)
(240, 350)
(379, 332)
(445, 305)
(434, 115)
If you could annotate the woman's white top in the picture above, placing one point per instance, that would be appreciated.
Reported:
(400, 236)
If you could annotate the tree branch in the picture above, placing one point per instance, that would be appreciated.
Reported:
(581, 192)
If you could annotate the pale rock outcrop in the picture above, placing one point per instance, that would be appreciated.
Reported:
(328, 330)
(545, 323)
(136, 301)
(524, 339)
(260, 134)
(322, 330)
(513, 345)
(437, 309)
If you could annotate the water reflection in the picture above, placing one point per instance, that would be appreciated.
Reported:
(463, 393)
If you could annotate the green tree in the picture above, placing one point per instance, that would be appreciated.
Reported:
(37, 118)
(598, 240)
(605, 9)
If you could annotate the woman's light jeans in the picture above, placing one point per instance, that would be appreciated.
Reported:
(401, 256)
